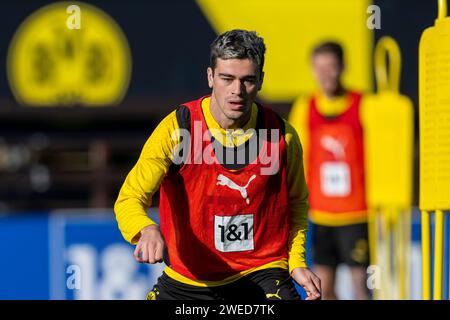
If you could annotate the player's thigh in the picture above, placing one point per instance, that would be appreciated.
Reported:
(324, 246)
(242, 290)
(354, 245)
(167, 288)
(276, 283)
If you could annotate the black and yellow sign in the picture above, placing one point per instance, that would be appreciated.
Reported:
(69, 54)
(290, 30)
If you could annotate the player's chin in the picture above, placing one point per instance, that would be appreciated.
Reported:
(330, 86)
(236, 113)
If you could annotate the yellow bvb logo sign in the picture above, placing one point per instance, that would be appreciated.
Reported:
(65, 54)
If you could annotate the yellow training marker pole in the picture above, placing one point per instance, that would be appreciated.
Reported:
(426, 281)
(387, 230)
(434, 119)
(373, 243)
(438, 254)
(388, 121)
(401, 253)
(407, 235)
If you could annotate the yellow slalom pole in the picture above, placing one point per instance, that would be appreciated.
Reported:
(401, 270)
(373, 242)
(382, 257)
(426, 283)
(387, 253)
(438, 254)
(393, 253)
(407, 235)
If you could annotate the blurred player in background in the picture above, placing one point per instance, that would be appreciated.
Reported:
(228, 229)
(329, 126)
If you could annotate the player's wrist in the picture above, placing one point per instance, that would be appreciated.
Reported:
(150, 228)
(297, 263)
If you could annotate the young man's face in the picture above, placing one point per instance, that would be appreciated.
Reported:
(234, 84)
(327, 71)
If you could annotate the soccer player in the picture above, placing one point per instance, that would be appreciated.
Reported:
(328, 123)
(233, 197)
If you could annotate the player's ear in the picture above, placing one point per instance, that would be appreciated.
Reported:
(210, 73)
(342, 69)
(261, 79)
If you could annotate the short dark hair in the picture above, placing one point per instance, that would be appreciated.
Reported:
(330, 47)
(238, 44)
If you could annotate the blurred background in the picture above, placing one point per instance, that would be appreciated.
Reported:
(77, 105)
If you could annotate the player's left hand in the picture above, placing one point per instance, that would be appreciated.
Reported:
(308, 281)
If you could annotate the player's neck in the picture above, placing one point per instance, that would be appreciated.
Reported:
(338, 92)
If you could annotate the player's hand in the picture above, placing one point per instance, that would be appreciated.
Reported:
(150, 247)
(308, 281)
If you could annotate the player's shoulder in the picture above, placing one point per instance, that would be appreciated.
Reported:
(179, 117)
(183, 116)
(290, 132)
(300, 107)
(283, 122)
(267, 110)
(183, 112)
(289, 128)
(169, 120)
(305, 98)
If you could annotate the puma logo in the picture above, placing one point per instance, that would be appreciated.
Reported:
(274, 295)
(334, 146)
(225, 181)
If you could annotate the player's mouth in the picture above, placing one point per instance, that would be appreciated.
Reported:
(237, 105)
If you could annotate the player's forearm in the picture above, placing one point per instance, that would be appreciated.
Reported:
(298, 200)
(136, 194)
(135, 197)
(144, 180)
(131, 217)
(297, 240)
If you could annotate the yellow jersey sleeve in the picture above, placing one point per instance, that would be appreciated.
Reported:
(298, 199)
(144, 179)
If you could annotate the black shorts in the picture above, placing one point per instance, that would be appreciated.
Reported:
(334, 245)
(266, 284)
